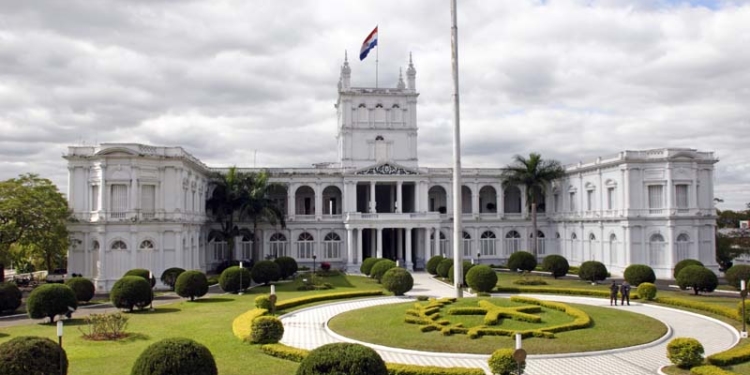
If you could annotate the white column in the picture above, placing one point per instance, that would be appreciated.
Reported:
(625, 205)
(399, 243)
(437, 242)
(399, 196)
(133, 190)
(318, 202)
(448, 200)
(427, 252)
(379, 243)
(409, 264)
(670, 203)
(524, 208)
(86, 253)
(475, 200)
(372, 197)
(359, 245)
(417, 196)
(102, 191)
(290, 209)
(500, 193)
(670, 247)
(71, 188)
(349, 247)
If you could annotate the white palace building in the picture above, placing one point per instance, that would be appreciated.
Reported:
(143, 206)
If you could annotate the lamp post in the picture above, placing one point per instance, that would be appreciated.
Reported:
(151, 305)
(240, 292)
(519, 355)
(743, 294)
(314, 257)
(479, 257)
(59, 341)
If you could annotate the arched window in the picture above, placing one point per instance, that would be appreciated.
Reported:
(512, 200)
(592, 237)
(246, 245)
(657, 247)
(683, 247)
(147, 245)
(332, 246)
(467, 244)
(278, 246)
(487, 243)
(613, 249)
(512, 242)
(95, 246)
(379, 138)
(540, 243)
(573, 236)
(119, 245)
(305, 246)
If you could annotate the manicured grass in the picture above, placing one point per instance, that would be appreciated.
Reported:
(208, 321)
(611, 329)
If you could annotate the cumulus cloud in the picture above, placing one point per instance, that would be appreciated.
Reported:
(254, 83)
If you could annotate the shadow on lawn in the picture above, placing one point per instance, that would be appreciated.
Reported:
(213, 300)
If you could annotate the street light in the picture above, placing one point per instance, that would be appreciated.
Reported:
(314, 257)
(151, 305)
(479, 256)
(59, 341)
(743, 294)
(240, 292)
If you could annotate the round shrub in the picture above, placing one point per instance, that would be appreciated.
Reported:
(398, 281)
(592, 271)
(636, 274)
(25, 355)
(263, 302)
(266, 330)
(736, 273)
(367, 264)
(647, 291)
(555, 264)
(685, 352)
(522, 260)
(169, 276)
(444, 267)
(432, 264)
(699, 278)
(466, 267)
(264, 272)
(10, 297)
(175, 356)
(229, 281)
(83, 288)
(342, 358)
(49, 300)
(130, 292)
(141, 272)
(481, 278)
(191, 284)
(380, 268)
(287, 266)
(684, 263)
(501, 362)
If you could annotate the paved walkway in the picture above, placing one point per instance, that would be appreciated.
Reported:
(307, 328)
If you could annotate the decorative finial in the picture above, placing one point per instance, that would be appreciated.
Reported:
(410, 58)
(401, 85)
(346, 56)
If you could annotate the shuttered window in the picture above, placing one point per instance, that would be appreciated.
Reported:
(148, 198)
(655, 196)
(681, 195)
(119, 198)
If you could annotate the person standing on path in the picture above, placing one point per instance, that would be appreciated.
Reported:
(613, 293)
(625, 291)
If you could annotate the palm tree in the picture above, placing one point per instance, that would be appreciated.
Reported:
(227, 201)
(535, 174)
(260, 207)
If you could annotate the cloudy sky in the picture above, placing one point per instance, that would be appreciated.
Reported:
(244, 82)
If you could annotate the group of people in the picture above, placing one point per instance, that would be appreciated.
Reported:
(624, 290)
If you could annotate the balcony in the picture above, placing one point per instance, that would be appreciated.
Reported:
(390, 217)
(139, 216)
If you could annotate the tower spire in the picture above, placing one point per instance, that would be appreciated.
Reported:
(346, 73)
(401, 85)
(411, 75)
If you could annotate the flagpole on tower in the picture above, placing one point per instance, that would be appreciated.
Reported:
(377, 55)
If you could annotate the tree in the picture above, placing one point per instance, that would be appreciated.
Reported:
(260, 207)
(33, 213)
(729, 247)
(535, 174)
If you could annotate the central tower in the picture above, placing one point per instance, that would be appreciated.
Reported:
(377, 125)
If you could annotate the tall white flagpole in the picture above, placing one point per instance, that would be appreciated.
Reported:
(377, 50)
(457, 229)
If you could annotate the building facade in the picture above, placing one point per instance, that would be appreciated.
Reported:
(142, 206)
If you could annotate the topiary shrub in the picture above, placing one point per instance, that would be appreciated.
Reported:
(555, 264)
(636, 274)
(466, 267)
(144, 273)
(481, 278)
(266, 330)
(684, 263)
(699, 278)
(287, 265)
(736, 273)
(49, 300)
(342, 358)
(685, 352)
(229, 281)
(501, 362)
(647, 291)
(263, 302)
(367, 264)
(444, 267)
(398, 281)
(191, 284)
(169, 276)
(380, 268)
(10, 297)
(27, 355)
(264, 272)
(83, 288)
(522, 260)
(432, 264)
(175, 356)
(592, 271)
(130, 292)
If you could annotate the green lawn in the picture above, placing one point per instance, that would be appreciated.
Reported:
(611, 329)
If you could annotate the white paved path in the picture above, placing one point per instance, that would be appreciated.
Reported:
(307, 329)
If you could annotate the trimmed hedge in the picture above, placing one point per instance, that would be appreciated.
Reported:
(264, 272)
(647, 291)
(50, 300)
(191, 284)
(142, 272)
(736, 273)
(715, 309)
(398, 281)
(342, 358)
(481, 278)
(287, 265)
(175, 356)
(263, 302)
(710, 370)
(380, 268)
(229, 280)
(522, 260)
(30, 355)
(242, 326)
(698, 278)
(84, 289)
(444, 267)
(684, 263)
(130, 292)
(730, 357)
(266, 330)
(169, 276)
(555, 264)
(592, 271)
(501, 362)
(367, 264)
(432, 264)
(10, 297)
(685, 352)
(466, 267)
(636, 274)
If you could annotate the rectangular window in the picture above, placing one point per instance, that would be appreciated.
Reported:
(95, 198)
(148, 198)
(611, 198)
(572, 200)
(589, 200)
(681, 196)
(655, 196)
(557, 202)
(118, 203)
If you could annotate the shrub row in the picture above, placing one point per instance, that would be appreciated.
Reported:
(710, 370)
(294, 302)
(715, 309)
(582, 320)
(297, 355)
(729, 357)
(563, 291)
(242, 326)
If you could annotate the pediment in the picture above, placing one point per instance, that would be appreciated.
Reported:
(117, 151)
(385, 169)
